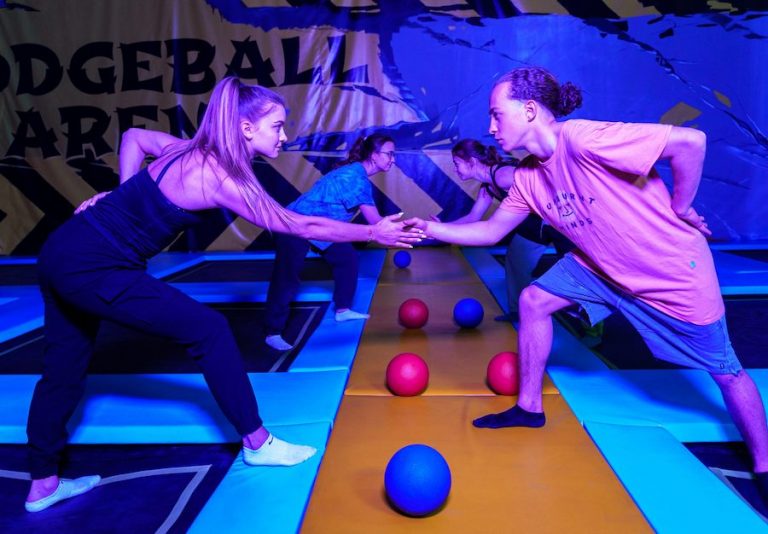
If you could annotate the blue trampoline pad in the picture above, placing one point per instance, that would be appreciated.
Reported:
(621, 347)
(217, 271)
(731, 463)
(171, 408)
(144, 488)
(760, 255)
(18, 274)
(266, 499)
(672, 488)
(122, 350)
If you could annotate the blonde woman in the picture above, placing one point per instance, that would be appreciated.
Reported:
(93, 268)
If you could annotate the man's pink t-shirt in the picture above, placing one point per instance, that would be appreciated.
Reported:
(600, 190)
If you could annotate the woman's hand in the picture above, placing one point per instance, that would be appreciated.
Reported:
(697, 221)
(391, 231)
(416, 222)
(91, 201)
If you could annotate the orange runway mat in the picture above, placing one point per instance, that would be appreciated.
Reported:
(443, 265)
(457, 358)
(551, 479)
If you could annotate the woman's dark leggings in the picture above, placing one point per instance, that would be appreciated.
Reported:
(290, 252)
(84, 279)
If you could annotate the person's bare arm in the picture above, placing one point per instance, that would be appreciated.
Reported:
(481, 233)
(481, 205)
(371, 213)
(389, 231)
(685, 149)
(136, 144)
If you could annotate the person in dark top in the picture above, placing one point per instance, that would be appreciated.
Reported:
(93, 267)
(475, 161)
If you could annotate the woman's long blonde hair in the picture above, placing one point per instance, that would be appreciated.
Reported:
(219, 137)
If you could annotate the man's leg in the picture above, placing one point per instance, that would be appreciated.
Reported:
(745, 405)
(535, 340)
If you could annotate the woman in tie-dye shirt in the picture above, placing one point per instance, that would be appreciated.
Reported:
(338, 195)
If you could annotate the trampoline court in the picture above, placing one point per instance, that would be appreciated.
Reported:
(631, 444)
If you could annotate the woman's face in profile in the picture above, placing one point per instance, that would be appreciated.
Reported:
(465, 170)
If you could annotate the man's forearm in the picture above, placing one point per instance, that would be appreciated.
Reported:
(687, 164)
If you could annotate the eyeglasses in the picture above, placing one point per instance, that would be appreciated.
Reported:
(390, 154)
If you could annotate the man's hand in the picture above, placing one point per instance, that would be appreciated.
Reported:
(697, 221)
(416, 222)
(391, 231)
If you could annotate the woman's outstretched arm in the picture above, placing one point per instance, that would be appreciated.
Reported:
(389, 231)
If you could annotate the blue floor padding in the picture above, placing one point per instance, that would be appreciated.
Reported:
(265, 499)
(155, 485)
(20, 315)
(214, 271)
(739, 275)
(333, 345)
(672, 488)
(685, 402)
(18, 273)
(16, 292)
(759, 255)
(173, 408)
(171, 262)
(122, 350)
(731, 462)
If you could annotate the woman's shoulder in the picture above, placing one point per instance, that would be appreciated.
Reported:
(354, 168)
(350, 172)
(192, 168)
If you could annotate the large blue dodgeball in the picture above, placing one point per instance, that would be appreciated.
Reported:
(402, 259)
(468, 313)
(417, 480)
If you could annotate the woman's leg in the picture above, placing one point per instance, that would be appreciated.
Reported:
(344, 261)
(290, 252)
(152, 306)
(69, 336)
(149, 305)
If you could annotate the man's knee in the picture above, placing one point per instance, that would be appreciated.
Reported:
(729, 380)
(534, 301)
